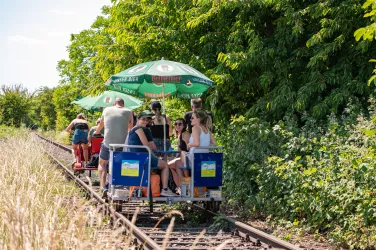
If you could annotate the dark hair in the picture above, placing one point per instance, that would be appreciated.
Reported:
(184, 127)
(156, 107)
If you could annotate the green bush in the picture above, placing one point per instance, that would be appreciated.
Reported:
(323, 177)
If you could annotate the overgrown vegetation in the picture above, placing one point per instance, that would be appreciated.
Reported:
(322, 175)
(290, 101)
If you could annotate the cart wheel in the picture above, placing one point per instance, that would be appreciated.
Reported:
(207, 205)
(216, 206)
(117, 205)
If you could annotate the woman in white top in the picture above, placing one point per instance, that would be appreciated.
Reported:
(201, 135)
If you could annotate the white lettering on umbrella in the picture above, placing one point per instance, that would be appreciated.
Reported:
(200, 80)
(190, 96)
(126, 79)
(155, 95)
(125, 90)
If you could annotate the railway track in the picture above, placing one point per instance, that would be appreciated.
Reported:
(164, 229)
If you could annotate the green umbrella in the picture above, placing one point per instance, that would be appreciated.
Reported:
(159, 79)
(107, 99)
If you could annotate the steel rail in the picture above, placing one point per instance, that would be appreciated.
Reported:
(243, 229)
(248, 231)
(145, 240)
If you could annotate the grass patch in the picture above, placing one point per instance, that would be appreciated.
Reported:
(39, 209)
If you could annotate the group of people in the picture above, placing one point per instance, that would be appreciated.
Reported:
(151, 129)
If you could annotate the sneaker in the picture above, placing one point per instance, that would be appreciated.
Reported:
(167, 192)
(178, 191)
(104, 192)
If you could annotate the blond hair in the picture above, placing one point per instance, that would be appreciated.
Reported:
(205, 119)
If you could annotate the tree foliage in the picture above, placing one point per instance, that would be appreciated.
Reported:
(14, 105)
(368, 32)
(42, 110)
(268, 58)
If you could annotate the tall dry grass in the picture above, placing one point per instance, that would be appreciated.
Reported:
(39, 209)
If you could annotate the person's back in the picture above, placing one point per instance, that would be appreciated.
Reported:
(116, 121)
(204, 140)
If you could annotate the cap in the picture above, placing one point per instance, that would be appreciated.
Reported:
(144, 114)
(155, 105)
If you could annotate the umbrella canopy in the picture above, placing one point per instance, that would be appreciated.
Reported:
(107, 99)
(159, 79)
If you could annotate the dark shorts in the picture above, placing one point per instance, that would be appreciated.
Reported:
(154, 162)
(104, 154)
(80, 136)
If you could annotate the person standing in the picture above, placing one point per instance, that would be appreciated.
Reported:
(196, 104)
(80, 136)
(117, 121)
(161, 124)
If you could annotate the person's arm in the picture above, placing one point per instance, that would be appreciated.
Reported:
(89, 135)
(69, 128)
(185, 137)
(212, 140)
(99, 128)
(152, 145)
(144, 139)
(130, 122)
(195, 136)
(149, 137)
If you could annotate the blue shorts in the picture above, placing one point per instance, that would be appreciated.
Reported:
(154, 162)
(80, 136)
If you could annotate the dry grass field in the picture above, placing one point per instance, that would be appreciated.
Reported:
(39, 209)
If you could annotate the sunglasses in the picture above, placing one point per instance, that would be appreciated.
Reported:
(178, 124)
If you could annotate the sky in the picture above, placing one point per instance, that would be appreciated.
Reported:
(34, 35)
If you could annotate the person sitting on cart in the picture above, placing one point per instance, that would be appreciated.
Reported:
(80, 136)
(180, 132)
(201, 135)
(141, 135)
(92, 130)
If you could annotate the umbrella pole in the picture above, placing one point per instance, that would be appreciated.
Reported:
(164, 119)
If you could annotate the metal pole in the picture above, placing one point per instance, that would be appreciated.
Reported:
(164, 118)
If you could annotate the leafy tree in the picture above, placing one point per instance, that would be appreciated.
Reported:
(14, 105)
(286, 57)
(42, 110)
(368, 32)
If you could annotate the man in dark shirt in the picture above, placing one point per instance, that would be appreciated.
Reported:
(195, 104)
